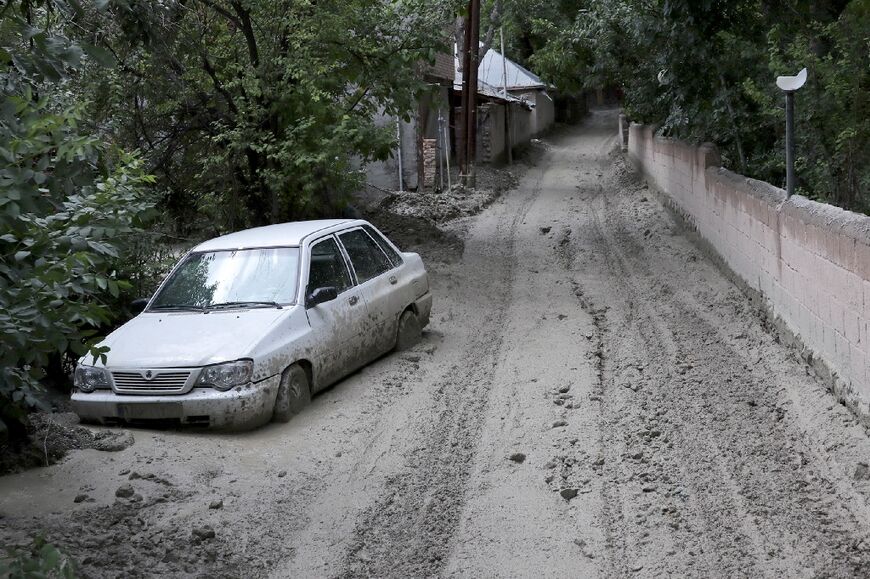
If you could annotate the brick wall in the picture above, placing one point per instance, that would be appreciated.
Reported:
(443, 68)
(809, 261)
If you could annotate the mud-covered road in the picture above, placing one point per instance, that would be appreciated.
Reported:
(594, 397)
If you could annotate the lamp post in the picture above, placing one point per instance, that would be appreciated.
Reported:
(790, 85)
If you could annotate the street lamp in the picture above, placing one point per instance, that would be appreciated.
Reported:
(790, 85)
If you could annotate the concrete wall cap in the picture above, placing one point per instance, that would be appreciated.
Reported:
(773, 196)
(712, 158)
(853, 225)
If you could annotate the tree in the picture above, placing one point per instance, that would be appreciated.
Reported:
(704, 70)
(68, 200)
(261, 111)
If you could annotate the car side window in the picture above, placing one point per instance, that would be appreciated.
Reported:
(367, 258)
(386, 247)
(328, 268)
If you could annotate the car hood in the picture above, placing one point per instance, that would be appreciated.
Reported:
(183, 339)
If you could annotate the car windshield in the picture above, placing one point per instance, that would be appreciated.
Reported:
(238, 278)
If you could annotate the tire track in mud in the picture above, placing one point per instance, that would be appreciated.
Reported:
(703, 475)
(408, 533)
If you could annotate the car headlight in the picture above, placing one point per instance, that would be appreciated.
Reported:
(89, 378)
(227, 375)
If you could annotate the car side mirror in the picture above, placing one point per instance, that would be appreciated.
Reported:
(137, 306)
(321, 295)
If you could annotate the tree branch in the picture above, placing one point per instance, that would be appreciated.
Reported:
(210, 71)
(244, 20)
(222, 11)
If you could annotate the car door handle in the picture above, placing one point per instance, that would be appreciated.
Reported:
(353, 300)
(393, 280)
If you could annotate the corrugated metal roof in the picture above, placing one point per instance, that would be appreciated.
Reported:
(493, 73)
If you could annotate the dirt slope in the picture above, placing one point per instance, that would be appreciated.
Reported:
(593, 398)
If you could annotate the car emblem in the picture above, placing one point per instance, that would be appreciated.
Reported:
(148, 375)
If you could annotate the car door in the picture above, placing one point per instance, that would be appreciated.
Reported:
(376, 276)
(336, 325)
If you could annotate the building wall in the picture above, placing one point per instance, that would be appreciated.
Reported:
(385, 174)
(491, 141)
(809, 261)
(423, 124)
(545, 113)
(543, 116)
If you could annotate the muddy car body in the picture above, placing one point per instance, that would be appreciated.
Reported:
(247, 326)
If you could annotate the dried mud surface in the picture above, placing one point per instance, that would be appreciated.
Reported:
(593, 398)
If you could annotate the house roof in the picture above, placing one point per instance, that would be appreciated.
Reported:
(492, 72)
(496, 70)
(498, 95)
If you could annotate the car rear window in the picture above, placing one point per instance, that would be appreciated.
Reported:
(366, 256)
(386, 247)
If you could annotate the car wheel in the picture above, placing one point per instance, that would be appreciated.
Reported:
(409, 330)
(294, 394)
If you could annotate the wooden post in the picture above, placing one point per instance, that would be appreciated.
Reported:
(471, 60)
(466, 67)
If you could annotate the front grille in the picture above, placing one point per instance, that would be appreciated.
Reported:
(170, 382)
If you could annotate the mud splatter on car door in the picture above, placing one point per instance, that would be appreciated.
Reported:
(337, 323)
(378, 280)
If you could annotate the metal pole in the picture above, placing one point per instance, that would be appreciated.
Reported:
(440, 150)
(789, 143)
(790, 84)
(447, 154)
(507, 104)
(503, 64)
(399, 149)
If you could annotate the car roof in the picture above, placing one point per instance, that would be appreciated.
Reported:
(280, 235)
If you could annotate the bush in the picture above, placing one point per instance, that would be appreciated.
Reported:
(39, 561)
(69, 203)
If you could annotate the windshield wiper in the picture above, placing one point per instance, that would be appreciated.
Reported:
(243, 304)
(182, 307)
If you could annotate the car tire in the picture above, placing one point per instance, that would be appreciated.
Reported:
(294, 393)
(409, 331)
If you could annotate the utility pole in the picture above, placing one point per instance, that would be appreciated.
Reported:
(466, 66)
(471, 61)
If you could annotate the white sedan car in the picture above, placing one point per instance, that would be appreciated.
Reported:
(247, 326)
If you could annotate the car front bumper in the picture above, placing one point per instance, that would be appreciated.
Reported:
(242, 407)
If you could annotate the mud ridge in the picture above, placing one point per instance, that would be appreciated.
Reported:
(409, 531)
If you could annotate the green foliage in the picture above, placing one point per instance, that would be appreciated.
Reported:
(705, 70)
(40, 561)
(247, 111)
(68, 203)
(257, 111)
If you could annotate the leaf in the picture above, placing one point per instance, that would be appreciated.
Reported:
(21, 255)
(50, 556)
(100, 55)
